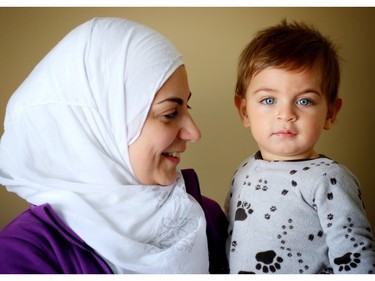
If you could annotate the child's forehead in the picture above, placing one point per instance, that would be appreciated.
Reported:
(315, 70)
(287, 78)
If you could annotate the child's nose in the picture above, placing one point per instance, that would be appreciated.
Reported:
(286, 113)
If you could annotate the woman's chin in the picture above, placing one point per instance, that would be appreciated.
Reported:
(167, 179)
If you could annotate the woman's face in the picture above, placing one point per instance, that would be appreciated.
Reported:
(155, 155)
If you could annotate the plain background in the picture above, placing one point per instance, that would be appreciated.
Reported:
(211, 40)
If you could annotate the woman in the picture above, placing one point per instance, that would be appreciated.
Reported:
(92, 140)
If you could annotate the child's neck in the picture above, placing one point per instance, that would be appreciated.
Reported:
(312, 155)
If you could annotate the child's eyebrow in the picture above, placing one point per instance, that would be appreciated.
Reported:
(264, 90)
(304, 91)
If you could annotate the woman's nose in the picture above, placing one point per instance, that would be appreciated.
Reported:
(190, 131)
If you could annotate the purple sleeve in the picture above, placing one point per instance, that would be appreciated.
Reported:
(217, 224)
(37, 241)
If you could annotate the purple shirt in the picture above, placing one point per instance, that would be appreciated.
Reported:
(38, 241)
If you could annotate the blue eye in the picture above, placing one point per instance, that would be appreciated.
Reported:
(304, 102)
(268, 101)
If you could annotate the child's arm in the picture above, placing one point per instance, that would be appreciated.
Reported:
(342, 216)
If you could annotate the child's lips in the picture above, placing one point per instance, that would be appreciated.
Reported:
(285, 134)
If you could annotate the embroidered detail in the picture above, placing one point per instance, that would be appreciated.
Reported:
(178, 233)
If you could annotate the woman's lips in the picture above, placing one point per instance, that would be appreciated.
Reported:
(172, 156)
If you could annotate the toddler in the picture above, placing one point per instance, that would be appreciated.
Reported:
(291, 209)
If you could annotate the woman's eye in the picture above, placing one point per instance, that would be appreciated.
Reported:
(304, 102)
(268, 101)
(172, 115)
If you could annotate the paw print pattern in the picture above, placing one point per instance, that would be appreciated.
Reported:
(348, 235)
(311, 237)
(285, 246)
(292, 172)
(246, 182)
(284, 192)
(243, 211)
(285, 229)
(322, 163)
(333, 181)
(262, 185)
(348, 229)
(268, 261)
(329, 218)
(272, 210)
(348, 261)
(233, 246)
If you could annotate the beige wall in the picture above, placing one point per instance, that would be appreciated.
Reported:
(210, 40)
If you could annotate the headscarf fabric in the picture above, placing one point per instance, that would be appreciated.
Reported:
(66, 135)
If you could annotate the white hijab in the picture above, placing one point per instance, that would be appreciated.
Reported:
(67, 131)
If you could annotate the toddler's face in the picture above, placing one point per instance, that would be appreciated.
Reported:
(286, 112)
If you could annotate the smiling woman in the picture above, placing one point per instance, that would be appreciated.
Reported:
(156, 153)
(92, 141)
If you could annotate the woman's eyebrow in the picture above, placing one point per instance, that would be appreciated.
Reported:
(179, 101)
(176, 100)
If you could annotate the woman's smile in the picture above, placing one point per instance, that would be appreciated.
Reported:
(174, 157)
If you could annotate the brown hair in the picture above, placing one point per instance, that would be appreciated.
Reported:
(292, 46)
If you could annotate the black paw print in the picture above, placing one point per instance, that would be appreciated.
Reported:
(246, 183)
(268, 261)
(329, 218)
(234, 245)
(311, 236)
(268, 216)
(262, 185)
(284, 192)
(348, 228)
(282, 235)
(348, 261)
(333, 181)
(243, 210)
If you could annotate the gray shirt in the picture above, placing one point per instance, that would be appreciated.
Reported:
(303, 216)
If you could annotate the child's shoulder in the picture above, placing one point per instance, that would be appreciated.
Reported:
(328, 173)
(248, 162)
(332, 166)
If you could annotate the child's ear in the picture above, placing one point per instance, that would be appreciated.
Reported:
(332, 114)
(242, 110)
